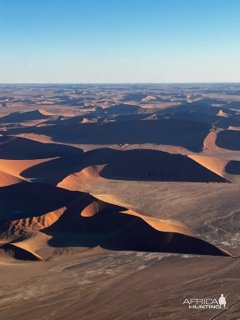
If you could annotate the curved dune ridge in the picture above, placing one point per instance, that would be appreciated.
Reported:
(15, 167)
(7, 179)
(215, 165)
(137, 164)
(31, 224)
(89, 222)
(37, 216)
(74, 181)
(18, 117)
(27, 200)
(209, 142)
(187, 134)
(18, 148)
(111, 228)
(17, 252)
(141, 165)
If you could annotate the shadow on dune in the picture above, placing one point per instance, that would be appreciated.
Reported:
(138, 165)
(55, 170)
(11, 250)
(164, 131)
(16, 148)
(89, 222)
(111, 229)
(229, 139)
(17, 117)
(150, 165)
(27, 199)
(233, 167)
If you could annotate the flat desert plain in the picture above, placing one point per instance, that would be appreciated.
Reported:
(119, 202)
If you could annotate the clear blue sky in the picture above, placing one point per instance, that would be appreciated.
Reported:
(119, 41)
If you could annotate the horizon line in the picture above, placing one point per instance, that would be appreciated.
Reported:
(115, 83)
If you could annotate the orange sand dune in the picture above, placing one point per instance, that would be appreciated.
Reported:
(89, 222)
(162, 225)
(20, 253)
(74, 181)
(222, 113)
(18, 148)
(7, 179)
(31, 201)
(93, 208)
(36, 137)
(117, 228)
(22, 117)
(216, 165)
(187, 134)
(210, 141)
(139, 165)
(31, 224)
(15, 167)
(37, 244)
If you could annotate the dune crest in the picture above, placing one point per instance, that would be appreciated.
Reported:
(74, 181)
(15, 167)
(216, 165)
(7, 179)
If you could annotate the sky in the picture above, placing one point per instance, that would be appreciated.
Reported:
(119, 41)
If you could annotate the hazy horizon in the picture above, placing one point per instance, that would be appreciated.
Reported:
(119, 42)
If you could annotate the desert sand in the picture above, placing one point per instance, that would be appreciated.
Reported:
(118, 201)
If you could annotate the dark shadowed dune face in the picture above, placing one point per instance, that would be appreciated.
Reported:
(17, 253)
(114, 230)
(229, 139)
(88, 222)
(124, 109)
(17, 117)
(165, 131)
(151, 165)
(16, 148)
(233, 167)
(55, 170)
(111, 190)
(27, 200)
(137, 164)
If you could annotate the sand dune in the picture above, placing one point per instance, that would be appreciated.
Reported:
(19, 117)
(162, 225)
(26, 200)
(17, 252)
(15, 167)
(229, 139)
(105, 222)
(216, 165)
(210, 141)
(35, 243)
(89, 222)
(74, 181)
(187, 134)
(233, 167)
(222, 113)
(140, 165)
(16, 148)
(111, 229)
(15, 228)
(124, 108)
(7, 179)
